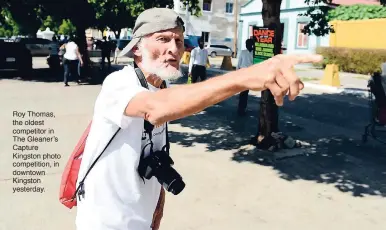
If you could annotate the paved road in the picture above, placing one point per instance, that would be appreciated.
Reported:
(339, 184)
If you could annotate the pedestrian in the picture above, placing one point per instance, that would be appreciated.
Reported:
(53, 58)
(197, 63)
(71, 60)
(106, 52)
(245, 60)
(114, 195)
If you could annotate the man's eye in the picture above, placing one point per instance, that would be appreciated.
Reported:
(162, 39)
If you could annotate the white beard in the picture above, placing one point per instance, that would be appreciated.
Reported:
(162, 72)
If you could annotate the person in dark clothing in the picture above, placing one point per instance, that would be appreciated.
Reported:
(106, 51)
(245, 60)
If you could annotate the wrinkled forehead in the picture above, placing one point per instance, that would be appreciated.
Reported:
(176, 32)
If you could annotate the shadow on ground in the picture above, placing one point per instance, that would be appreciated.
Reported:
(96, 76)
(331, 124)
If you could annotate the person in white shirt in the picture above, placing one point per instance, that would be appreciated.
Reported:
(197, 63)
(245, 60)
(71, 60)
(113, 195)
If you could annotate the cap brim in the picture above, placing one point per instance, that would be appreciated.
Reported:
(127, 51)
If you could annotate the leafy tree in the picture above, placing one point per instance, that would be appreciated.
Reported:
(51, 23)
(320, 13)
(9, 26)
(66, 28)
(193, 7)
(25, 14)
(356, 12)
(118, 14)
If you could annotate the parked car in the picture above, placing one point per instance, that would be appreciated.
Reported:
(37, 46)
(15, 56)
(219, 50)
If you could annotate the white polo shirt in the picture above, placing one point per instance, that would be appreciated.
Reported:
(198, 56)
(116, 198)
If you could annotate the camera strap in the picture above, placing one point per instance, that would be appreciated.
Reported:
(147, 126)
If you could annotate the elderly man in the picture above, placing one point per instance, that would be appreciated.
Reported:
(114, 195)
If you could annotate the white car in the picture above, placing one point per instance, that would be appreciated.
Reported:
(219, 50)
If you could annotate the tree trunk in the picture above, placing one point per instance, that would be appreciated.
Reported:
(82, 44)
(269, 116)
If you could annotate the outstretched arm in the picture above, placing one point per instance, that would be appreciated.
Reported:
(173, 103)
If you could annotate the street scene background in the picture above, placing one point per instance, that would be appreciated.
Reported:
(334, 181)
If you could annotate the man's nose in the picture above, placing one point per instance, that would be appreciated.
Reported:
(173, 47)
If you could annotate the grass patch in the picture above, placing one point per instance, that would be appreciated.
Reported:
(309, 78)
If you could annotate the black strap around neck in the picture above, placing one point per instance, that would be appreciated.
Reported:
(147, 125)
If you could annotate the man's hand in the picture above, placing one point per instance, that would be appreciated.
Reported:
(278, 75)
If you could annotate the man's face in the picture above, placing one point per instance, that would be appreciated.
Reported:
(161, 53)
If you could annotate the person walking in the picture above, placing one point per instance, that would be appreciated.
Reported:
(71, 60)
(106, 52)
(245, 60)
(197, 63)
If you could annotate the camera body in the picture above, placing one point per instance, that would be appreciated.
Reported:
(159, 164)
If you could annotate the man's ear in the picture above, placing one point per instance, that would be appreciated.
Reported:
(137, 51)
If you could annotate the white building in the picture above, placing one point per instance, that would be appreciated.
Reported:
(216, 25)
(293, 40)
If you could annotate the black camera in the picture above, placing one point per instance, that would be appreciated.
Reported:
(159, 164)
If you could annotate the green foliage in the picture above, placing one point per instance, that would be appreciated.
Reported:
(118, 14)
(50, 23)
(5, 33)
(30, 15)
(361, 61)
(25, 14)
(66, 28)
(357, 12)
(194, 7)
(317, 12)
(8, 26)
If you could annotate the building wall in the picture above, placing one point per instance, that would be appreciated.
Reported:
(346, 34)
(290, 9)
(217, 22)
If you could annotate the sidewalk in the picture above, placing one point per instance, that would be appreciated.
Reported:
(350, 83)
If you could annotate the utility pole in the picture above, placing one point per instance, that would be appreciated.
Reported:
(187, 17)
(235, 12)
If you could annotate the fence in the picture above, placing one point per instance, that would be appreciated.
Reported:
(369, 33)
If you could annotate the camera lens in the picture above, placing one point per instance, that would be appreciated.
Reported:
(176, 186)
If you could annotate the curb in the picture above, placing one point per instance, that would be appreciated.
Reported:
(316, 86)
(330, 89)
(337, 90)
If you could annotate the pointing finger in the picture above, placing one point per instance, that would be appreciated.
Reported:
(295, 59)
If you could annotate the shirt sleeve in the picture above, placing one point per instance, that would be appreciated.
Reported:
(117, 91)
(192, 59)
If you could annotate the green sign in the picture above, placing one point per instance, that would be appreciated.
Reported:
(264, 43)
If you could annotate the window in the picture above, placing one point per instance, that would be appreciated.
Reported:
(229, 7)
(205, 36)
(207, 5)
(302, 39)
